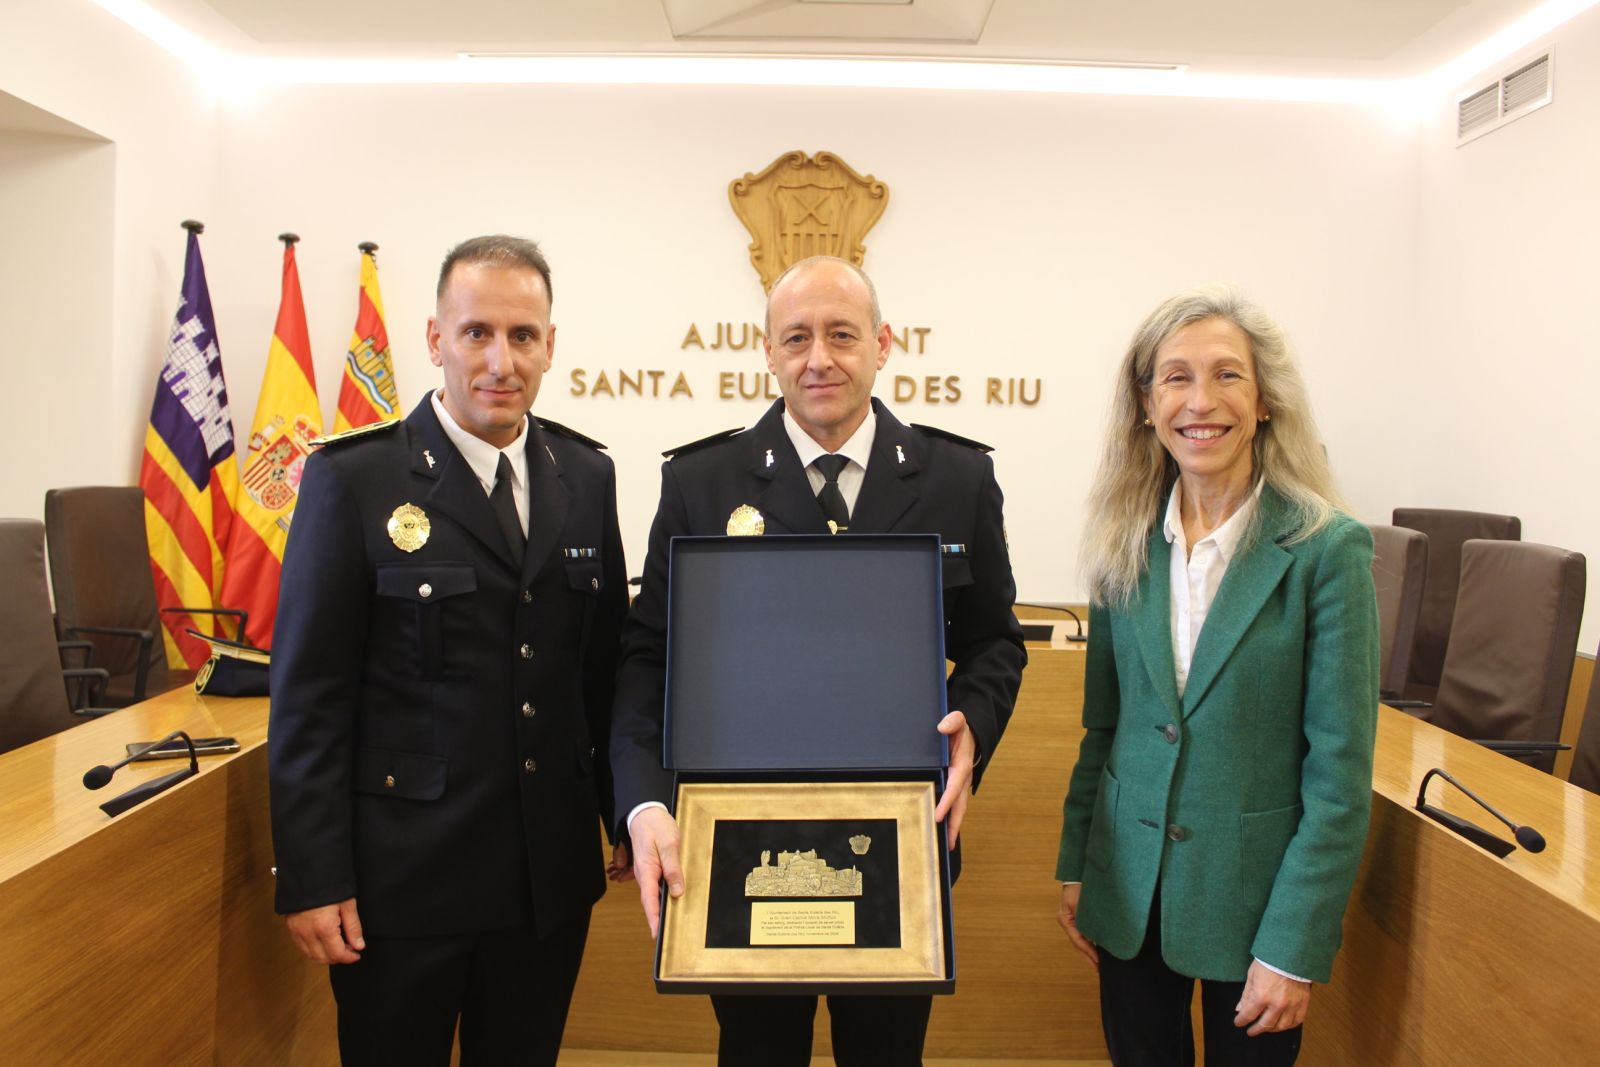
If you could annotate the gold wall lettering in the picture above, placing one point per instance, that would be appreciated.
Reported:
(629, 383)
(722, 336)
(802, 206)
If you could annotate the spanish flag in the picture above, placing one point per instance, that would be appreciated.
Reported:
(288, 418)
(188, 473)
(367, 393)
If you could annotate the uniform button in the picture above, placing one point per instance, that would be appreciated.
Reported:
(388, 781)
(594, 583)
(1176, 832)
(424, 590)
(527, 596)
(529, 765)
(527, 710)
(1170, 732)
(526, 651)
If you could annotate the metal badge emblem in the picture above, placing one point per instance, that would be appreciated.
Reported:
(409, 528)
(833, 527)
(900, 454)
(769, 457)
(746, 521)
(429, 457)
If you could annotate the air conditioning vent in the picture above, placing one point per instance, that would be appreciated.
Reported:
(1509, 97)
(1528, 87)
(1478, 110)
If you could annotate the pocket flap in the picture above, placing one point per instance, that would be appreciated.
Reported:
(585, 575)
(411, 775)
(957, 570)
(427, 582)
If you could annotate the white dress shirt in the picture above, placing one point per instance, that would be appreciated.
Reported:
(1196, 574)
(484, 458)
(857, 450)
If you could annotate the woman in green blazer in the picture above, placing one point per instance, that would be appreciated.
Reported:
(1216, 816)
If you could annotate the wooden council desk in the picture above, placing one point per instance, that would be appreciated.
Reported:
(150, 938)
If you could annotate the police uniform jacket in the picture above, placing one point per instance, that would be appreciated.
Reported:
(436, 712)
(1247, 798)
(917, 481)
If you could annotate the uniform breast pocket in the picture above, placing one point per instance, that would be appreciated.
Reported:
(417, 597)
(585, 576)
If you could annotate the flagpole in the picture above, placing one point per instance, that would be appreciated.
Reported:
(368, 247)
(289, 239)
(193, 226)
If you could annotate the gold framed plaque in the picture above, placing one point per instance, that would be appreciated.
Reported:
(793, 884)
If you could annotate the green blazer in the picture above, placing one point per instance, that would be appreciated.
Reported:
(1247, 799)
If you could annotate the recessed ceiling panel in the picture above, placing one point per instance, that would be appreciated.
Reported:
(953, 21)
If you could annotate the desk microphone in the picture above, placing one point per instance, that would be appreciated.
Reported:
(1529, 838)
(1076, 638)
(98, 777)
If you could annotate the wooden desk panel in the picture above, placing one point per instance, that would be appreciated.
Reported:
(1452, 955)
(149, 938)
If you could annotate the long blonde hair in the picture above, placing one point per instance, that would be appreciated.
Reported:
(1136, 473)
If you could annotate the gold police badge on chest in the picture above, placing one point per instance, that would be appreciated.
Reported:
(746, 521)
(409, 527)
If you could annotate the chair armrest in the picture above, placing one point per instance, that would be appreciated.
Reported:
(1404, 704)
(91, 689)
(241, 619)
(67, 647)
(141, 674)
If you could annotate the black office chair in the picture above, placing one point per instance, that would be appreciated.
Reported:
(1446, 530)
(37, 696)
(1512, 645)
(100, 571)
(1399, 570)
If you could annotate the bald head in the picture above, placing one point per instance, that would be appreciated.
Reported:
(831, 264)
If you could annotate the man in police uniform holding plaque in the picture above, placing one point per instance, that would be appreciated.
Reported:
(442, 671)
(825, 457)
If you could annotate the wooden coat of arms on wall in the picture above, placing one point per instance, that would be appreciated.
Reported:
(804, 206)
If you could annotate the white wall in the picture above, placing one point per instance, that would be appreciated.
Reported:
(56, 194)
(1031, 233)
(1502, 416)
(117, 262)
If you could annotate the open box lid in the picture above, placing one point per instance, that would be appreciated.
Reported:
(806, 652)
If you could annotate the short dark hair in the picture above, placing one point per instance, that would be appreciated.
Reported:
(497, 250)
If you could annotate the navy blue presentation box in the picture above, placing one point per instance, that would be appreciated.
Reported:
(805, 677)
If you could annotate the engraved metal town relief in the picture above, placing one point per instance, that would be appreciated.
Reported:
(806, 206)
(800, 874)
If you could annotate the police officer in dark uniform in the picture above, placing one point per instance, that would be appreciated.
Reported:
(827, 456)
(442, 674)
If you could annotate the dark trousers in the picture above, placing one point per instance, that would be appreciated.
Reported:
(1144, 1007)
(399, 1004)
(866, 1031)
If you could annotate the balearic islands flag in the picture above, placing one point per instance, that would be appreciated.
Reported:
(367, 393)
(188, 473)
(288, 417)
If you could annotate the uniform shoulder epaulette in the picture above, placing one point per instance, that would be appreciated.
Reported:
(694, 446)
(934, 431)
(568, 432)
(353, 433)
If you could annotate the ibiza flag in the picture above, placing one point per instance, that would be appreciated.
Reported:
(188, 473)
(367, 393)
(288, 417)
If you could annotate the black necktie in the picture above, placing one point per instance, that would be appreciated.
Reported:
(504, 502)
(829, 497)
